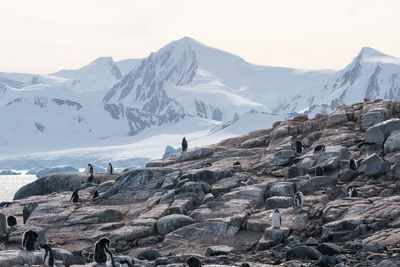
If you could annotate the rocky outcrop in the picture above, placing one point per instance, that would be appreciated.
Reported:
(180, 207)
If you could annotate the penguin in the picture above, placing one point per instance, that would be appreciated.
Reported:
(110, 169)
(296, 160)
(298, 199)
(308, 176)
(95, 195)
(237, 163)
(353, 164)
(319, 171)
(11, 221)
(276, 219)
(74, 197)
(5, 204)
(28, 240)
(90, 170)
(363, 145)
(299, 147)
(125, 263)
(245, 264)
(319, 148)
(101, 251)
(352, 191)
(193, 262)
(206, 165)
(47, 254)
(184, 144)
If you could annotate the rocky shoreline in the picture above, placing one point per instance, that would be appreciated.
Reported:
(175, 208)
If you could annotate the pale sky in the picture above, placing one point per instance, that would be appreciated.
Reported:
(44, 36)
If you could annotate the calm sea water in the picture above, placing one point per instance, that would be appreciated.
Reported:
(9, 184)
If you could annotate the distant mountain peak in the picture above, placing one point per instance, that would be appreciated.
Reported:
(368, 52)
(103, 60)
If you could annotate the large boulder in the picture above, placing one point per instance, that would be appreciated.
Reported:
(281, 189)
(65, 168)
(392, 143)
(372, 117)
(28, 209)
(58, 182)
(20, 258)
(378, 133)
(302, 253)
(338, 117)
(172, 222)
(374, 166)
(219, 250)
(279, 202)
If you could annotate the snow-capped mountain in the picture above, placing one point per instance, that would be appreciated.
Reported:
(108, 103)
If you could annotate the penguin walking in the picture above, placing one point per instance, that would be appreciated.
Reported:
(298, 199)
(319, 171)
(101, 251)
(90, 171)
(74, 197)
(353, 164)
(206, 165)
(319, 148)
(110, 169)
(193, 262)
(11, 221)
(95, 195)
(352, 191)
(276, 219)
(28, 240)
(47, 254)
(299, 147)
(184, 144)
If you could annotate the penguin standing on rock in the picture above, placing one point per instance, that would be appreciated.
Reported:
(28, 240)
(101, 251)
(319, 148)
(47, 255)
(298, 199)
(90, 170)
(299, 147)
(193, 262)
(276, 219)
(11, 221)
(74, 197)
(353, 164)
(110, 169)
(184, 144)
(352, 191)
(319, 171)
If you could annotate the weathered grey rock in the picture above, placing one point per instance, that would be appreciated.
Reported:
(148, 222)
(94, 215)
(277, 235)
(149, 254)
(281, 189)
(3, 224)
(323, 181)
(302, 253)
(372, 117)
(219, 250)
(172, 222)
(28, 209)
(181, 206)
(198, 153)
(279, 132)
(348, 175)
(312, 242)
(329, 249)
(295, 171)
(67, 257)
(378, 133)
(225, 185)
(129, 233)
(338, 117)
(19, 257)
(279, 202)
(392, 143)
(374, 166)
(208, 197)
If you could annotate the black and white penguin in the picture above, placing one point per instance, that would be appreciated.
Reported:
(352, 191)
(184, 144)
(319, 171)
(90, 171)
(47, 255)
(95, 195)
(101, 251)
(193, 261)
(276, 219)
(245, 264)
(110, 169)
(319, 148)
(299, 147)
(353, 164)
(206, 165)
(74, 197)
(298, 199)
(5, 204)
(125, 263)
(11, 221)
(363, 145)
(237, 163)
(28, 240)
